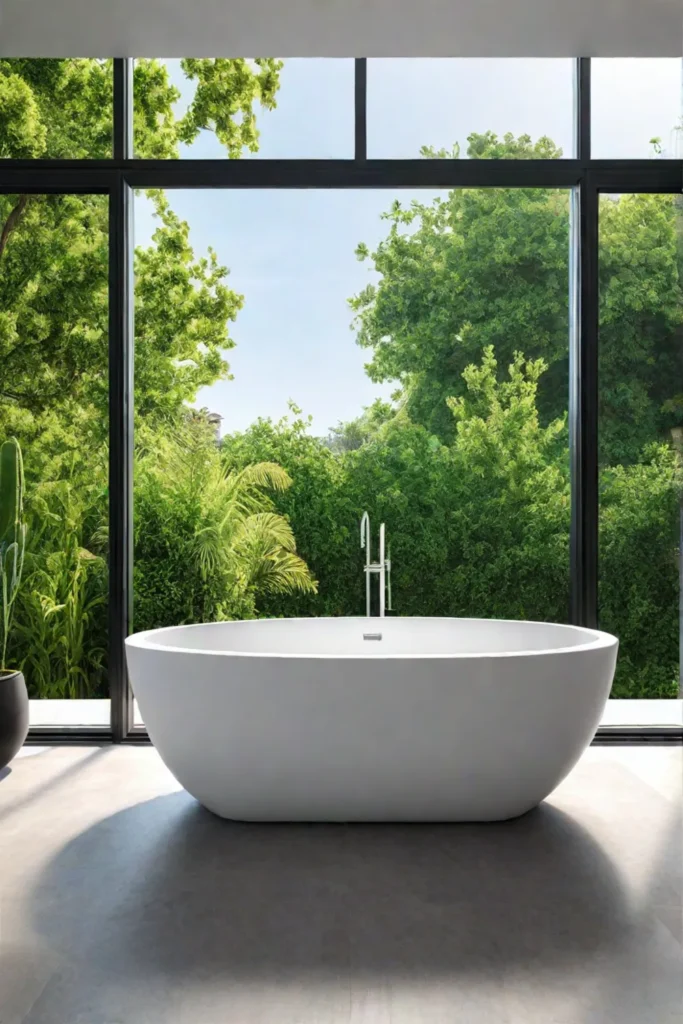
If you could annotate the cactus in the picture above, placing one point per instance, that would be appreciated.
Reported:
(12, 536)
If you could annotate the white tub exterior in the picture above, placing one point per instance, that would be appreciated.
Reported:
(305, 720)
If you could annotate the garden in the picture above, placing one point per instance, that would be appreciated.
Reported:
(467, 463)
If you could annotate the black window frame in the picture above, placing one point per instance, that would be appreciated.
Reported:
(119, 176)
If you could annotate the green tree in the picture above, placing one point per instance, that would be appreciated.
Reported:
(53, 250)
(54, 257)
(54, 320)
(63, 108)
(54, 325)
(451, 283)
(485, 267)
(641, 324)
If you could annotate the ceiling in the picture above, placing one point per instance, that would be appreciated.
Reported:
(341, 28)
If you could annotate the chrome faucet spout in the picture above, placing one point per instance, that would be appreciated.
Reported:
(382, 568)
(365, 542)
(365, 532)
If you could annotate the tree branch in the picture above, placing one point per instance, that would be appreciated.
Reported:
(12, 222)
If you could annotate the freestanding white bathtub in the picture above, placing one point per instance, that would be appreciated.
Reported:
(356, 719)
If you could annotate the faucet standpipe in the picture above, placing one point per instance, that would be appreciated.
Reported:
(381, 568)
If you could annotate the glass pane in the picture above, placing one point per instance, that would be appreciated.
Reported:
(641, 441)
(213, 108)
(424, 382)
(56, 109)
(475, 107)
(636, 108)
(53, 400)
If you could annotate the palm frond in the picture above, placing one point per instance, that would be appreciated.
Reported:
(283, 572)
(267, 530)
(235, 536)
(268, 548)
(264, 475)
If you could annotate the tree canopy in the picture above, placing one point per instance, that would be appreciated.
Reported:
(481, 267)
(63, 108)
(53, 249)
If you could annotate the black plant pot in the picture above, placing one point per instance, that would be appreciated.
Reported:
(13, 715)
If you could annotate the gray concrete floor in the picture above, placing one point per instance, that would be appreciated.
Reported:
(124, 902)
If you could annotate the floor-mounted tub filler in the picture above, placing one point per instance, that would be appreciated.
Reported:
(368, 719)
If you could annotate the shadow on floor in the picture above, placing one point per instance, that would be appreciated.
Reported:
(4, 772)
(167, 887)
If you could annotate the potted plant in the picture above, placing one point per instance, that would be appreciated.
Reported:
(13, 695)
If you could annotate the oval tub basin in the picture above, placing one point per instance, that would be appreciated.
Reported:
(356, 719)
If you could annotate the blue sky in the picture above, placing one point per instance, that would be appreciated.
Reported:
(291, 253)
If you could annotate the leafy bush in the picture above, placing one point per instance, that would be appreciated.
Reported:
(208, 543)
(639, 579)
(61, 627)
(480, 526)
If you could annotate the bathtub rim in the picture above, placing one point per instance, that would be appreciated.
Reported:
(600, 640)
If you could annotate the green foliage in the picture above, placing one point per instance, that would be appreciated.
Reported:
(224, 99)
(481, 526)
(61, 617)
(468, 465)
(54, 333)
(62, 108)
(182, 311)
(12, 536)
(321, 511)
(489, 147)
(53, 308)
(208, 543)
(478, 525)
(639, 522)
(22, 135)
(641, 324)
(451, 284)
(54, 313)
(65, 110)
(53, 249)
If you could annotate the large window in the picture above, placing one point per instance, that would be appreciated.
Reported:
(640, 434)
(446, 292)
(353, 361)
(53, 399)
